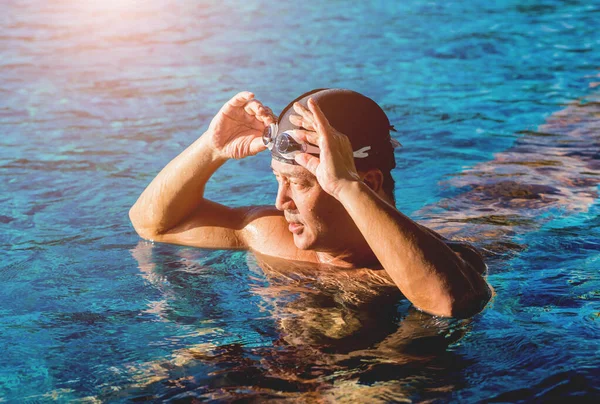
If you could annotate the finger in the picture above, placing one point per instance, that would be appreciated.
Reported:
(240, 99)
(306, 136)
(269, 111)
(258, 110)
(320, 120)
(308, 161)
(268, 115)
(257, 145)
(262, 113)
(300, 109)
(253, 107)
(297, 120)
(303, 112)
(266, 119)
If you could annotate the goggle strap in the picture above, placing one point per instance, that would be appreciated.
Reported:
(361, 153)
(311, 149)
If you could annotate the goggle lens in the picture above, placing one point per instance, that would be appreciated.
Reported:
(285, 144)
(268, 134)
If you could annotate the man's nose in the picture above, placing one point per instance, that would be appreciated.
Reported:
(283, 200)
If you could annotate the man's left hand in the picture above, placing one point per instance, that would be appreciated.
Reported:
(334, 168)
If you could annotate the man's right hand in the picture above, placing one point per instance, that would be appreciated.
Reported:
(236, 131)
(173, 209)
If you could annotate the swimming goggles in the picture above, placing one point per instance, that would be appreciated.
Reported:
(288, 146)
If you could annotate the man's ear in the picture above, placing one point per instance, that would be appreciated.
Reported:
(374, 179)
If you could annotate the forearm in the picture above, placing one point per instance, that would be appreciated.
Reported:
(177, 190)
(424, 268)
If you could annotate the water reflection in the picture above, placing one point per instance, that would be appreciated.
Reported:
(349, 335)
(553, 170)
(338, 334)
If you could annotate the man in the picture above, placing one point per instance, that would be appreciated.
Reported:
(332, 154)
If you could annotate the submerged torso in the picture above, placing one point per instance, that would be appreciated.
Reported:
(336, 309)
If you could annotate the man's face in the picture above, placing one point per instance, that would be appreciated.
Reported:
(316, 219)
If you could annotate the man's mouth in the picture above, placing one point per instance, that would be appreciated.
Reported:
(295, 227)
(293, 224)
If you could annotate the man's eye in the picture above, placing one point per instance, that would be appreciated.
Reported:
(298, 184)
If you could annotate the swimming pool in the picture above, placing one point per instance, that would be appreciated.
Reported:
(494, 102)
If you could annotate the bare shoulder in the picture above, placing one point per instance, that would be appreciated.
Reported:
(265, 231)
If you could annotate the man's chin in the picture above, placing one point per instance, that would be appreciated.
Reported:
(303, 242)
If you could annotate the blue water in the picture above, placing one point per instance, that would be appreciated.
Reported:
(96, 98)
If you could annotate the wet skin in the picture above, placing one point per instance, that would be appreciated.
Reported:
(329, 247)
(332, 320)
(316, 219)
(332, 214)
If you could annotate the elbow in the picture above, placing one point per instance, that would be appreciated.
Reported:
(468, 305)
(145, 232)
(472, 295)
(459, 305)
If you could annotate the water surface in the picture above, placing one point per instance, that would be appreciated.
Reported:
(494, 103)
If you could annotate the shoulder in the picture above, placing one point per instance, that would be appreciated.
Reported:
(260, 222)
(265, 231)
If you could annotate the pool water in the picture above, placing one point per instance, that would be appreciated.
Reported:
(494, 102)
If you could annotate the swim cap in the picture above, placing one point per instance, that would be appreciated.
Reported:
(354, 115)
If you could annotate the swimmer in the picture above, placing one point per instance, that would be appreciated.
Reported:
(332, 154)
